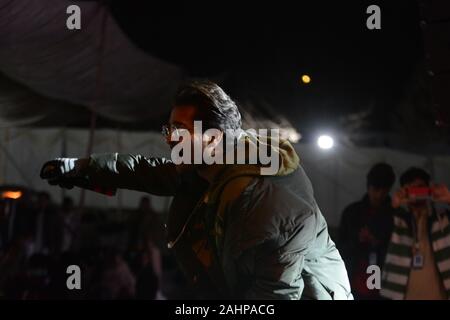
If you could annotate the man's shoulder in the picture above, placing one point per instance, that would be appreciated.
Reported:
(261, 205)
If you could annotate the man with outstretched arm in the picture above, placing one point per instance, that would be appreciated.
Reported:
(236, 231)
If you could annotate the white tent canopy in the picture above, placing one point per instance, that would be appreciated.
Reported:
(50, 72)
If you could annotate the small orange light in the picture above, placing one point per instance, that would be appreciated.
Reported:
(11, 194)
(306, 79)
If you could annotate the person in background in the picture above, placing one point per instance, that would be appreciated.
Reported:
(145, 226)
(45, 226)
(147, 282)
(417, 265)
(116, 279)
(365, 229)
(146, 236)
(69, 220)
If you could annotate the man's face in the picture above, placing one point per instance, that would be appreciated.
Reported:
(377, 195)
(418, 203)
(182, 117)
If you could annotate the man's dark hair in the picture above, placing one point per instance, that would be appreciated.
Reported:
(381, 175)
(215, 108)
(413, 174)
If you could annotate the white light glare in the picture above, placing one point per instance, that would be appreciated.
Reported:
(325, 142)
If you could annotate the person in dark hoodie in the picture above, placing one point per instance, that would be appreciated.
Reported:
(236, 231)
(365, 230)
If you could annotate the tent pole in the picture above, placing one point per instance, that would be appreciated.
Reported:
(119, 195)
(98, 81)
(88, 152)
(63, 154)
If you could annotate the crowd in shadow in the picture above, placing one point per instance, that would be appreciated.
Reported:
(405, 232)
(117, 260)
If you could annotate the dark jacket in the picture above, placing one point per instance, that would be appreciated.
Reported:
(359, 255)
(246, 236)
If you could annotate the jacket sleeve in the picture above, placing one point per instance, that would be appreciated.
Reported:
(135, 172)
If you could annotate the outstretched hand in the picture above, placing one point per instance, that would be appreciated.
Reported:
(61, 171)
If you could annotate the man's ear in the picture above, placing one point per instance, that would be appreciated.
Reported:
(214, 147)
(213, 137)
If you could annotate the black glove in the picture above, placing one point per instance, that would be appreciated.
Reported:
(70, 172)
(64, 172)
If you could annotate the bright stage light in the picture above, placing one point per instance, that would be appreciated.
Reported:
(306, 79)
(325, 142)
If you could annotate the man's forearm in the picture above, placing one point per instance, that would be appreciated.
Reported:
(135, 172)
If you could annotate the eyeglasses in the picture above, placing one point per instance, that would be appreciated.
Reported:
(167, 130)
